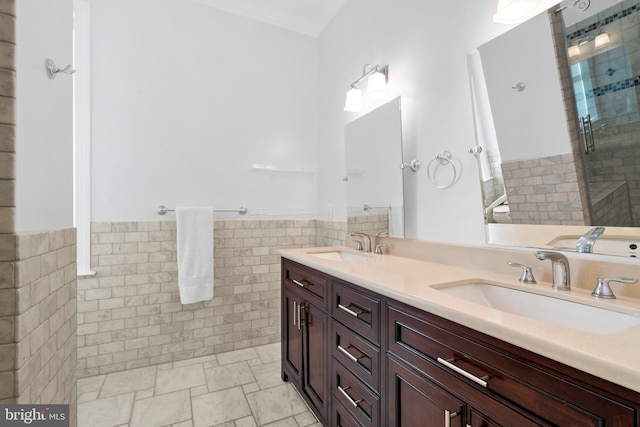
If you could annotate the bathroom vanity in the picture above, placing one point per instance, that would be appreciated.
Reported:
(371, 342)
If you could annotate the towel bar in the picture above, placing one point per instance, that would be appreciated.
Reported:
(242, 210)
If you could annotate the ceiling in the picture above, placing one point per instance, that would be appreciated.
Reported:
(303, 16)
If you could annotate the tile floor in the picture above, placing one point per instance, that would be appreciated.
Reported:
(241, 388)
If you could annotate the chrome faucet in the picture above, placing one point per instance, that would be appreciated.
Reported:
(586, 242)
(559, 268)
(367, 240)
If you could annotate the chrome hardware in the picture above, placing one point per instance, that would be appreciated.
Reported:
(367, 240)
(344, 392)
(346, 353)
(414, 165)
(464, 373)
(380, 248)
(359, 247)
(603, 290)
(587, 134)
(520, 86)
(448, 415)
(527, 274)
(367, 208)
(52, 70)
(348, 310)
(443, 158)
(475, 150)
(295, 310)
(586, 242)
(302, 285)
(559, 267)
(300, 308)
(242, 210)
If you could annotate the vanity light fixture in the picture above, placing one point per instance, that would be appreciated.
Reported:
(574, 51)
(602, 40)
(376, 86)
(512, 11)
(354, 100)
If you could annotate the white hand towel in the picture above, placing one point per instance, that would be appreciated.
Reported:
(195, 253)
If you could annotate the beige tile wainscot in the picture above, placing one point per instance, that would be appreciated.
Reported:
(130, 315)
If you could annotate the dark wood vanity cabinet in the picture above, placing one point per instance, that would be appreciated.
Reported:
(501, 384)
(361, 359)
(305, 332)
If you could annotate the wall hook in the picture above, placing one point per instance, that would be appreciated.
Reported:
(520, 86)
(52, 70)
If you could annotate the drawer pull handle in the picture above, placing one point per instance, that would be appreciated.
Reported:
(301, 284)
(349, 311)
(346, 353)
(295, 312)
(448, 416)
(462, 372)
(344, 392)
(300, 308)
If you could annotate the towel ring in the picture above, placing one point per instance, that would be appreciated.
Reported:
(444, 159)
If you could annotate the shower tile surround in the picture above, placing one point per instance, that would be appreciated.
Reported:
(130, 315)
(617, 156)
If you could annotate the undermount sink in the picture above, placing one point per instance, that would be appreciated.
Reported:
(603, 245)
(557, 311)
(339, 255)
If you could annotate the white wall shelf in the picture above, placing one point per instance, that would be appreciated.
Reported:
(270, 168)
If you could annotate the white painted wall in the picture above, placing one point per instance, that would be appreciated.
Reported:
(186, 98)
(44, 116)
(425, 44)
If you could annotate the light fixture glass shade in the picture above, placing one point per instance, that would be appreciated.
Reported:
(602, 39)
(511, 11)
(574, 51)
(377, 85)
(354, 100)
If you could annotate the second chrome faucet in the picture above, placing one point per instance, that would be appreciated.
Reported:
(559, 267)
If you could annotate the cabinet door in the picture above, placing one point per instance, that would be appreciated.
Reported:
(316, 356)
(291, 336)
(416, 401)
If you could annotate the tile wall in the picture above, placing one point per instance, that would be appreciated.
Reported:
(371, 224)
(610, 201)
(7, 200)
(544, 191)
(130, 315)
(45, 328)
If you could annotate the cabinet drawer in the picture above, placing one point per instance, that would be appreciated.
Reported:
(313, 285)
(341, 417)
(361, 403)
(424, 340)
(358, 310)
(355, 353)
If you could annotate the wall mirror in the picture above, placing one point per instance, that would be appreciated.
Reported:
(556, 102)
(374, 179)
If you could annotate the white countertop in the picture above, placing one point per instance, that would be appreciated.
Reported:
(614, 357)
